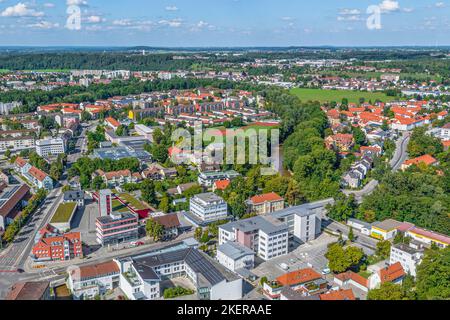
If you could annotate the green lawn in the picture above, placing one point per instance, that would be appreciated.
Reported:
(337, 95)
(365, 274)
(63, 212)
(132, 201)
(118, 206)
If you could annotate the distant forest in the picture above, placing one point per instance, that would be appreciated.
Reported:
(134, 60)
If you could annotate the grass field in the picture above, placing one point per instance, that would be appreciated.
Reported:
(64, 212)
(132, 201)
(337, 95)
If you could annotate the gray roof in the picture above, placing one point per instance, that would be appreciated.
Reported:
(234, 250)
(365, 224)
(267, 224)
(291, 294)
(389, 224)
(208, 197)
(197, 261)
(73, 195)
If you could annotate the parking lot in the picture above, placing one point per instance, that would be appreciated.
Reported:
(84, 222)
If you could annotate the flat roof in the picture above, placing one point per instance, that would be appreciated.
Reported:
(64, 212)
(234, 250)
(387, 225)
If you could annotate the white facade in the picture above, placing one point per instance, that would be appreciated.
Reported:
(89, 288)
(48, 147)
(227, 290)
(305, 227)
(409, 257)
(18, 143)
(273, 245)
(208, 207)
(234, 257)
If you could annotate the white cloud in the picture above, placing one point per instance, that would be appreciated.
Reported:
(171, 8)
(440, 4)
(350, 12)
(21, 10)
(49, 5)
(350, 18)
(76, 2)
(287, 18)
(94, 19)
(174, 23)
(43, 25)
(389, 6)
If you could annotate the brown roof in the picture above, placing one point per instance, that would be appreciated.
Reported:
(98, 270)
(37, 173)
(8, 206)
(298, 277)
(168, 220)
(120, 173)
(268, 197)
(338, 295)
(392, 273)
(28, 290)
(20, 162)
(350, 275)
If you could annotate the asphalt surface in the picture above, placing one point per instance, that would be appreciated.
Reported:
(398, 158)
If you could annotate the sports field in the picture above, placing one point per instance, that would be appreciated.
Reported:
(337, 95)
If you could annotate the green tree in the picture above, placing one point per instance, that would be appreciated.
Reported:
(387, 291)
(164, 205)
(433, 274)
(148, 191)
(154, 229)
(383, 249)
(351, 235)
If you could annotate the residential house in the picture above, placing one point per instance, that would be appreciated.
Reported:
(52, 245)
(171, 224)
(393, 273)
(305, 281)
(426, 159)
(265, 203)
(87, 282)
(74, 196)
(340, 142)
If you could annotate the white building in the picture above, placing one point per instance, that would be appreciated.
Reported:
(49, 147)
(86, 282)
(234, 256)
(264, 235)
(409, 256)
(361, 226)
(208, 208)
(5, 108)
(17, 143)
(141, 275)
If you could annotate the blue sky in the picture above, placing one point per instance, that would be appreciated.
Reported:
(192, 23)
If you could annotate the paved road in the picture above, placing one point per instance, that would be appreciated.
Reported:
(368, 243)
(16, 254)
(398, 158)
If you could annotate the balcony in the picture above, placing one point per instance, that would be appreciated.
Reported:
(132, 278)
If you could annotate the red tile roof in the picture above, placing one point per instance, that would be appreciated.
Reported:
(97, 270)
(350, 275)
(392, 273)
(37, 173)
(427, 159)
(298, 277)
(113, 121)
(20, 162)
(222, 184)
(338, 295)
(268, 197)
(28, 290)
